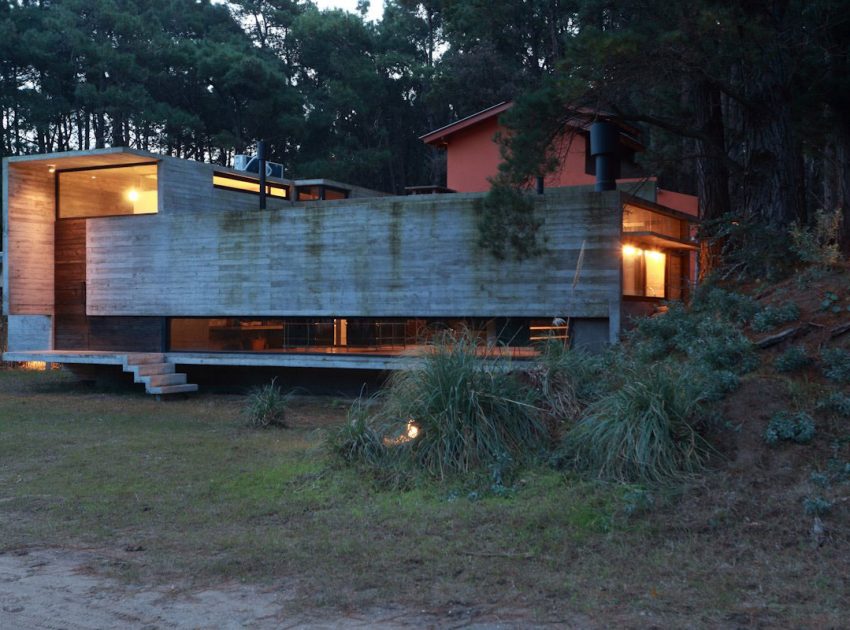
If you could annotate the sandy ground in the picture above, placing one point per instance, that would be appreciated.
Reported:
(54, 589)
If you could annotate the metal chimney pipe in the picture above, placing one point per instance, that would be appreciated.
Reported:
(261, 157)
(604, 148)
(538, 185)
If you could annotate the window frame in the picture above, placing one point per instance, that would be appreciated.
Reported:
(252, 180)
(57, 178)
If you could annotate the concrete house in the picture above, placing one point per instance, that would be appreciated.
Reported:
(159, 264)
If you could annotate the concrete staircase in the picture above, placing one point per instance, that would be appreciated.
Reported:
(158, 374)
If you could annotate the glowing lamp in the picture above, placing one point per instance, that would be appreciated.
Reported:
(133, 195)
(630, 250)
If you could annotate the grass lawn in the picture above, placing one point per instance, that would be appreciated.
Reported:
(182, 492)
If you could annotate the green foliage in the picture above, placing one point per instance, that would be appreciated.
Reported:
(730, 306)
(702, 333)
(644, 431)
(836, 364)
(793, 359)
(772, 316)
(818, 243)
(748, 247)
(836, 403)
(831, 303)
(459, 411)
(719, 383)
(357, 442)
(266, 407)
(817, 506)
(785, 426)
(507, 226)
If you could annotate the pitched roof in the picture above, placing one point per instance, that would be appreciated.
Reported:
(583, 118)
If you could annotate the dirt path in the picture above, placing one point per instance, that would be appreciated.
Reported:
(55, 588)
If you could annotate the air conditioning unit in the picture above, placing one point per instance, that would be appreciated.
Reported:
(250, 164)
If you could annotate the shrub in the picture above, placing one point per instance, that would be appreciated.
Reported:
(816, 506)
(818, 243)
(791, 427)
(720, 383)
(771, 316)
(836, 364)
(644, 430)
(837, 403)
(460, 409)
(357, 441)
(728, 305)
(706, 336)
(266, 407)
(793, 359)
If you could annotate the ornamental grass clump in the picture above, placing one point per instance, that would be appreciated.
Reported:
(646, 430)
(266, 406)
(461, 409)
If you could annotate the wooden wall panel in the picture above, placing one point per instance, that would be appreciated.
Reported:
(30, 218)
(73, 328)
(392, 256)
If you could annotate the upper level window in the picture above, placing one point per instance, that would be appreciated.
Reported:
(107, 191)
(637, 219)
(241, 183)
(320, 192)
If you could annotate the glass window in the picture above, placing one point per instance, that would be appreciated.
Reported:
(641, 220)
(240, 183)
(103, 192)
(644, 272)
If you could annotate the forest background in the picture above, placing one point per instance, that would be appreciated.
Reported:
(746, 103)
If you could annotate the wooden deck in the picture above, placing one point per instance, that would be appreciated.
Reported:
(330, 360)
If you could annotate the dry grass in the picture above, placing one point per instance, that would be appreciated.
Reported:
(209, 500)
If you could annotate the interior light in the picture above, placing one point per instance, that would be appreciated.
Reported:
(630, 250)
(654, 255)
(51, 168)
(133, 195)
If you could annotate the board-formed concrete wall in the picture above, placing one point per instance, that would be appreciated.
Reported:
(211, 252)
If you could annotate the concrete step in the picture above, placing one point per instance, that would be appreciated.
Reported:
(147, 369)
(157, 380)
(141, 358)
(173, 389)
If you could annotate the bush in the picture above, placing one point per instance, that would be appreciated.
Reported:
(460, 410)
(771, 316)
(816, 506)
(720, 383)
(709, 336)
(791, 427)
(836, 403)
(818, 243)
(266, 407)
(793, 359)
(356, 442)
(727, 305)
(644, 430)
(836, 364)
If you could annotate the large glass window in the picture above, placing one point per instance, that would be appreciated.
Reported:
(108, 191)
(644, 272)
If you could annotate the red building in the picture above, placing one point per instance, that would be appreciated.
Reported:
(473, 156)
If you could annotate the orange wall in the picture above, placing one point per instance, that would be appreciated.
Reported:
(473, 156)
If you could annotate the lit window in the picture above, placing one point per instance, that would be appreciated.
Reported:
(644, 272)
(240, 183)
(107, 191)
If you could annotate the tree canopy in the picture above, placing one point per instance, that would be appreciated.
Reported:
(744, 103)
